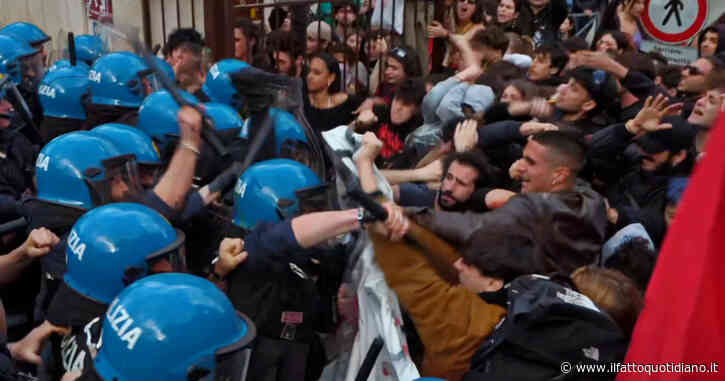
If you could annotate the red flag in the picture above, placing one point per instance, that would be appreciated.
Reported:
(683, 322)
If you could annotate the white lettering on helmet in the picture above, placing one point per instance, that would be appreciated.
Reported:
(94, 76)
(76, 246)
(46, 91)
(73, 355)
(42, 162)
(240, 188)
(122, 323)
(214, 71)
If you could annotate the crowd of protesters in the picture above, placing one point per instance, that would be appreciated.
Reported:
(528, 177)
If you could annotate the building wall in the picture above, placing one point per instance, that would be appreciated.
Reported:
(58, 17)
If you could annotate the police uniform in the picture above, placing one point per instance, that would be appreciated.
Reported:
(289, 292)
(79, 347)
(101, 261)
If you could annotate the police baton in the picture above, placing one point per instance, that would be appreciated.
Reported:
(72, 49)
(208, 134)
(367, 365)
(257, 88)
(439, 252)
(13, 226)
(25, 110)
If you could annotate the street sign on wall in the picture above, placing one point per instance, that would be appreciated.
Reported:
(100, 10)
(674, 21)
(675, 54)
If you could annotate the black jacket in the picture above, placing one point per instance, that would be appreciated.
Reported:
(547, 325)
(641, 197)
(17, 162)
(543, 26)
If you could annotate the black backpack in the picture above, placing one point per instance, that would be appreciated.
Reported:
(548, 325)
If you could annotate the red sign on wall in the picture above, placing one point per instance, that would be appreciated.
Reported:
(671, 21)
(101, 10)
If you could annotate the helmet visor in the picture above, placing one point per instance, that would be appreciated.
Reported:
(171, 258)
(232, 362)
(313, 199)
(149, 174)
(9, 90)
(33, 70)
(124, 168)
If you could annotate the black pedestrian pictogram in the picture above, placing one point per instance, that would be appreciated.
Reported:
(675, 7)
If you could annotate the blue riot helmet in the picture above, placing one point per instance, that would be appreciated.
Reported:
(119, 79)
(89, 48)
(131, 140)
(289, 135)
(33, 65)
(219, 87)
(83, 170)
(224, 117)
(114, 245)
(269, 191)
(173, 327)
(25, 31)
(157, 117)
(66, 63)
(63, 91)
(12, 55)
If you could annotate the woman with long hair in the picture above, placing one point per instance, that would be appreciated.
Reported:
(567, 28)
(326, 106)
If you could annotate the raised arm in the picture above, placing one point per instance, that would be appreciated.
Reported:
(176, 181)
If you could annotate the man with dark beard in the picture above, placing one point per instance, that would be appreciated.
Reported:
(465, 176)
(641, 195)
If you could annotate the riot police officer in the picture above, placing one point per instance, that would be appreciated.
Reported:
(89, 48)
(219, 86)
(62, 93)
(16, 62)
(17, 155)
(119, 84)
(172, 327)
(108, 248)
(33, 66)
(81, 170)
(285, 271)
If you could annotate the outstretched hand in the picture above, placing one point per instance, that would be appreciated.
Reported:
(649, 118)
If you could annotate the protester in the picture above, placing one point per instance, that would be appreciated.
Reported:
(246, 39)
(326, 104)
(624, 16)
(319, 35)
(612, 41)
(527, 188)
